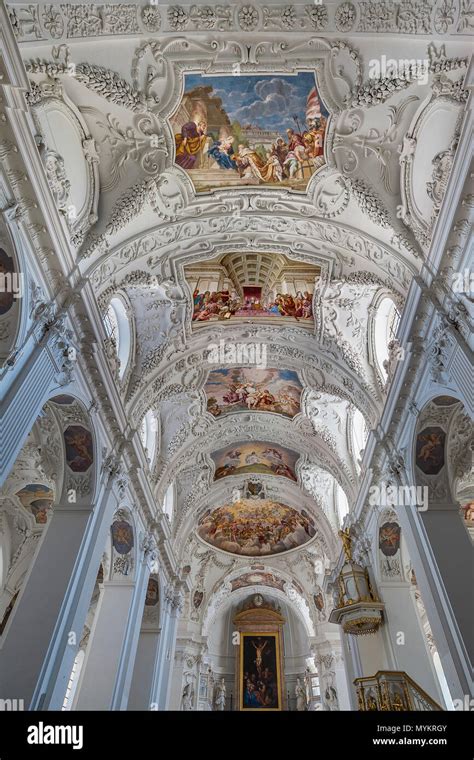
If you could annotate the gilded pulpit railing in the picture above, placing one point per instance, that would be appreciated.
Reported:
(392, 690)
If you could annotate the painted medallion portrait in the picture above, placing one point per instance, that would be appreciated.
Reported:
(389, 538)
(255, 529)
(259, 390)
(255, 457)
(260, 672)
(232, 131)
(79, 449)
(430, 450)
(122, 536)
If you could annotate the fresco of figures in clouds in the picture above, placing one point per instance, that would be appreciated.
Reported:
(255, 457)
(232, 131)
(249, 389)
(256, 529)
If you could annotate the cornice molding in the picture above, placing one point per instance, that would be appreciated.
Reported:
(37, 22)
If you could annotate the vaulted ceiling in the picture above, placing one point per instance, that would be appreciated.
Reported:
(106, 86)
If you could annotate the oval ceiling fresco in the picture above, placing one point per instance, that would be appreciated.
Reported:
(256, 530)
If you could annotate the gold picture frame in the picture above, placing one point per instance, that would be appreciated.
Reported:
(256, 667)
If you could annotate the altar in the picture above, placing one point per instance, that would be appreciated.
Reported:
(259, 671)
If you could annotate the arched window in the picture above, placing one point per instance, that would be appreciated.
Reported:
(387, 318)
(117, 327)
(168, 502)
(341, 504)
(359, 435)
(148, 433)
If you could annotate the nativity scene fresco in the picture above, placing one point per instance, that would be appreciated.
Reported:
(249, 389)
(254, 457)
(256, 529)
(232, 131)
(252, 287)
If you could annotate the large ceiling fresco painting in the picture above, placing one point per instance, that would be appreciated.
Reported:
(232, 131)
(256, 528)
(261, 457)
(248, 389)
(252, 287)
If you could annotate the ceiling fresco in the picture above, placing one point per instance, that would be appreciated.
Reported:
(256, 529)
(253, 286)
(257, 578)
(255, 457)
(239, 130)
(250, 389)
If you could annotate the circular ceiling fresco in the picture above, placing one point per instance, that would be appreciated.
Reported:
(256, 529)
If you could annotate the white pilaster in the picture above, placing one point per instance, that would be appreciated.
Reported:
(36, 613)
(132, 633)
